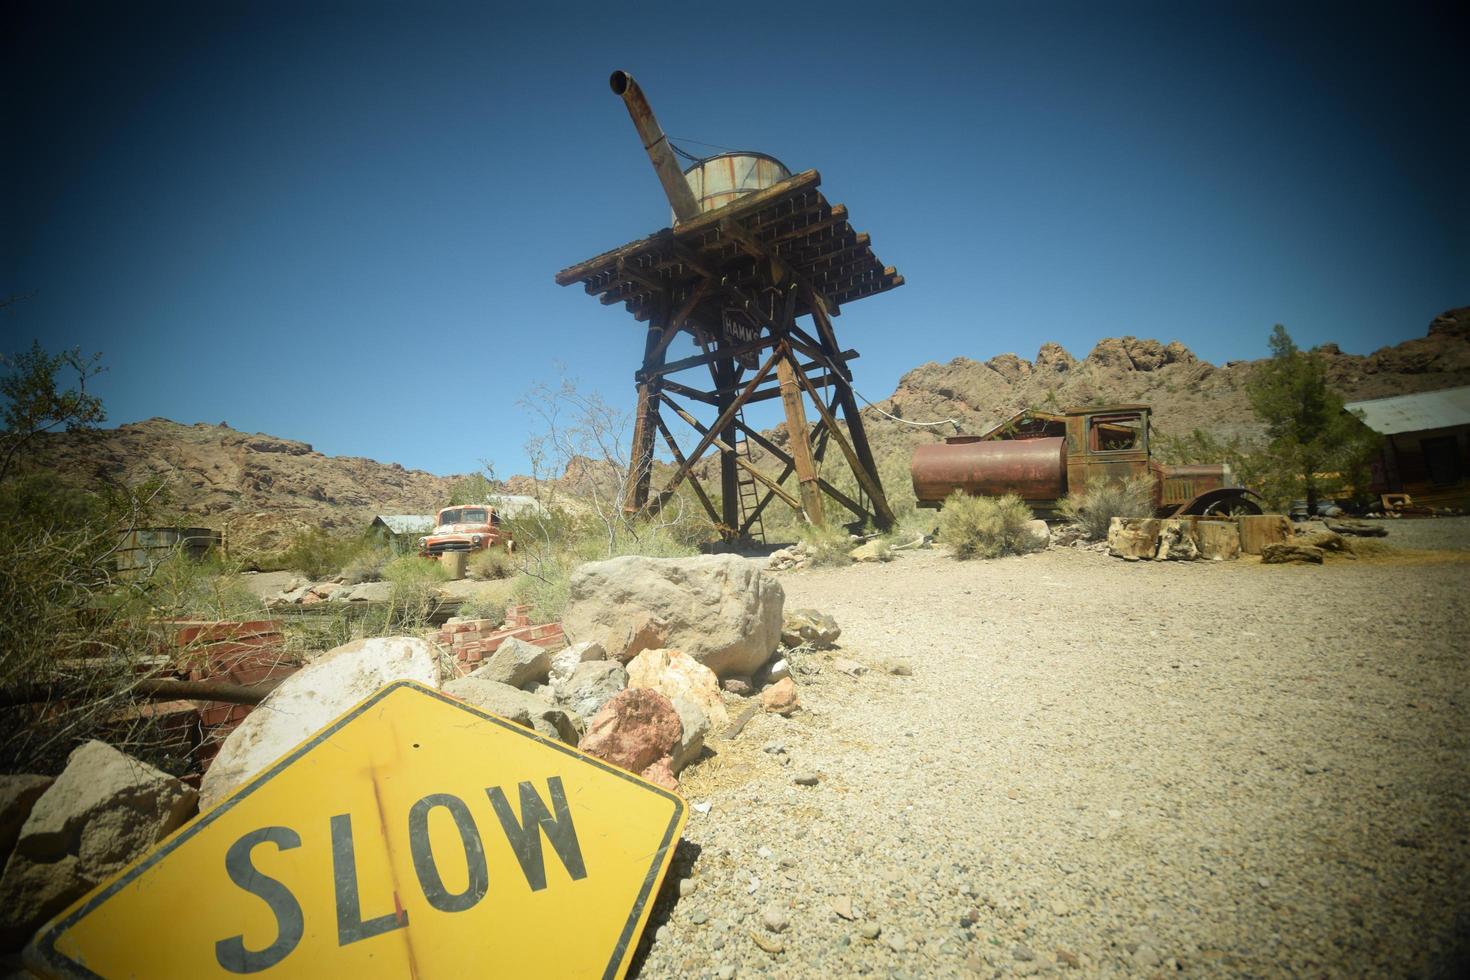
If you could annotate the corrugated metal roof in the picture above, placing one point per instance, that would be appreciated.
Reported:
(514, 505)
(1415, 413)
(406, 523)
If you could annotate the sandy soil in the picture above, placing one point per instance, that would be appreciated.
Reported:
(1225, 769)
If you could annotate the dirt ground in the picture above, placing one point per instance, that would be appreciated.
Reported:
(1131, 769)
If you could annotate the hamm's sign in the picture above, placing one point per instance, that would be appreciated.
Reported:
(413, 837)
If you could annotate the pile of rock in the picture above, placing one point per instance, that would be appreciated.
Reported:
(60, 838)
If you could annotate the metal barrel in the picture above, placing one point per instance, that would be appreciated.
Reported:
(727, 177)
(676, 188)
(1033, 469)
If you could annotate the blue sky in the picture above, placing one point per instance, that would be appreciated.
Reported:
(339, 222)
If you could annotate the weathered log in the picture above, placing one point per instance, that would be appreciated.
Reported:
(1216, 540)
(1329, 541)
(1133, 538)
(1357, 529)
(1279, 553)
(1259, 530)
(146, 689)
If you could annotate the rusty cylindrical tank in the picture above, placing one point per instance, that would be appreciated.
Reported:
(1033, 469)
(676, 188)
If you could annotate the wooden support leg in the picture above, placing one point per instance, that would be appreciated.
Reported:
(796, 429)
(645, 423)
(724, 372)
(882, 513)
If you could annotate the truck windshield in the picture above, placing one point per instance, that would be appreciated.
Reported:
(464, 515)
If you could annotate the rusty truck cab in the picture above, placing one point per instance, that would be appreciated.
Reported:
(1109, 442)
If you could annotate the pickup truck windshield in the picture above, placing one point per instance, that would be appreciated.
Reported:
(466, 515)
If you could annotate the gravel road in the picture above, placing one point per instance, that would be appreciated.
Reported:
(1130, 769)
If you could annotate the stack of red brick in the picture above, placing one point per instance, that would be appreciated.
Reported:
(225, 652)
(474, 640)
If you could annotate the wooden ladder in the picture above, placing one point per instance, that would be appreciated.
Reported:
(748, 490)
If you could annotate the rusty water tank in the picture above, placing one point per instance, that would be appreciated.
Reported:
(719, 180)
(1033, 469)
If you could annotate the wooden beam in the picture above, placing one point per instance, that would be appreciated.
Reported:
(790, 463)
(867, 479)
(688, 392)
(640, 469)
(676, 323)
(709, 506)
(690, 230)
(673, 367)
(657, 503)
(740, 461)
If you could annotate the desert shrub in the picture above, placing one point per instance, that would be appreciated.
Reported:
(547, 592)
(316, 553)
(492, 563)
(180, 587)
(483, 607)
(414, 597)
(1094, 507)
(827, 545)
(365, 564)
(984, 527)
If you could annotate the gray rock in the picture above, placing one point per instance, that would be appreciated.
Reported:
(687, 887)
(900, 668)
(104, 810)
(719, 609)
(17, 795)
(691, 741)
(518, 706)
(1036, 536)
(738, 686)
(516, 663)
(592, 684)
(564, 662)
(368, 592)
(309, 699)
(806, 779)
(774, 918)
(870, 930)
(816, 629)
(1023, 953)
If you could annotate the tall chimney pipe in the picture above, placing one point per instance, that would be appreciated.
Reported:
(676, 188)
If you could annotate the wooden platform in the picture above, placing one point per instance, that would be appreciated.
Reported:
(791, 221)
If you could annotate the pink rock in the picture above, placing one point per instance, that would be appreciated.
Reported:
(780, 698)
(662, 774)
(634, 730)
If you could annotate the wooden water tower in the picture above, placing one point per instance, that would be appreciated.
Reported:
(752, 250)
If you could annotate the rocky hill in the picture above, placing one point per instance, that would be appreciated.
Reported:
(1186, 392)
(254, 484)
(217, 476)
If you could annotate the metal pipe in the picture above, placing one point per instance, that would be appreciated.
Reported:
(676, 188)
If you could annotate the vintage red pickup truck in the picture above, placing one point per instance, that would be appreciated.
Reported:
(466, 528)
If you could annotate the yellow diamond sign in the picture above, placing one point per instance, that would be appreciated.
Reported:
(415, 836)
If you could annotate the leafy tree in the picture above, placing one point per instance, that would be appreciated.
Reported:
(33, 402)
(475, 488)
(1308, 429)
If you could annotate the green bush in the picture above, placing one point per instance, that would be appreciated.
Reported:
(984, 527)
(1094, 507)
(547, 592)
(317, 554)
(414, 597)
(491, 563)
(482, 607)
(366, 563)
(827, 545)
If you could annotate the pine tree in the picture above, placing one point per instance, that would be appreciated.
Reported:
(1309, 430)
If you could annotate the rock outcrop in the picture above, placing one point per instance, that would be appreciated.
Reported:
(719, 609)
